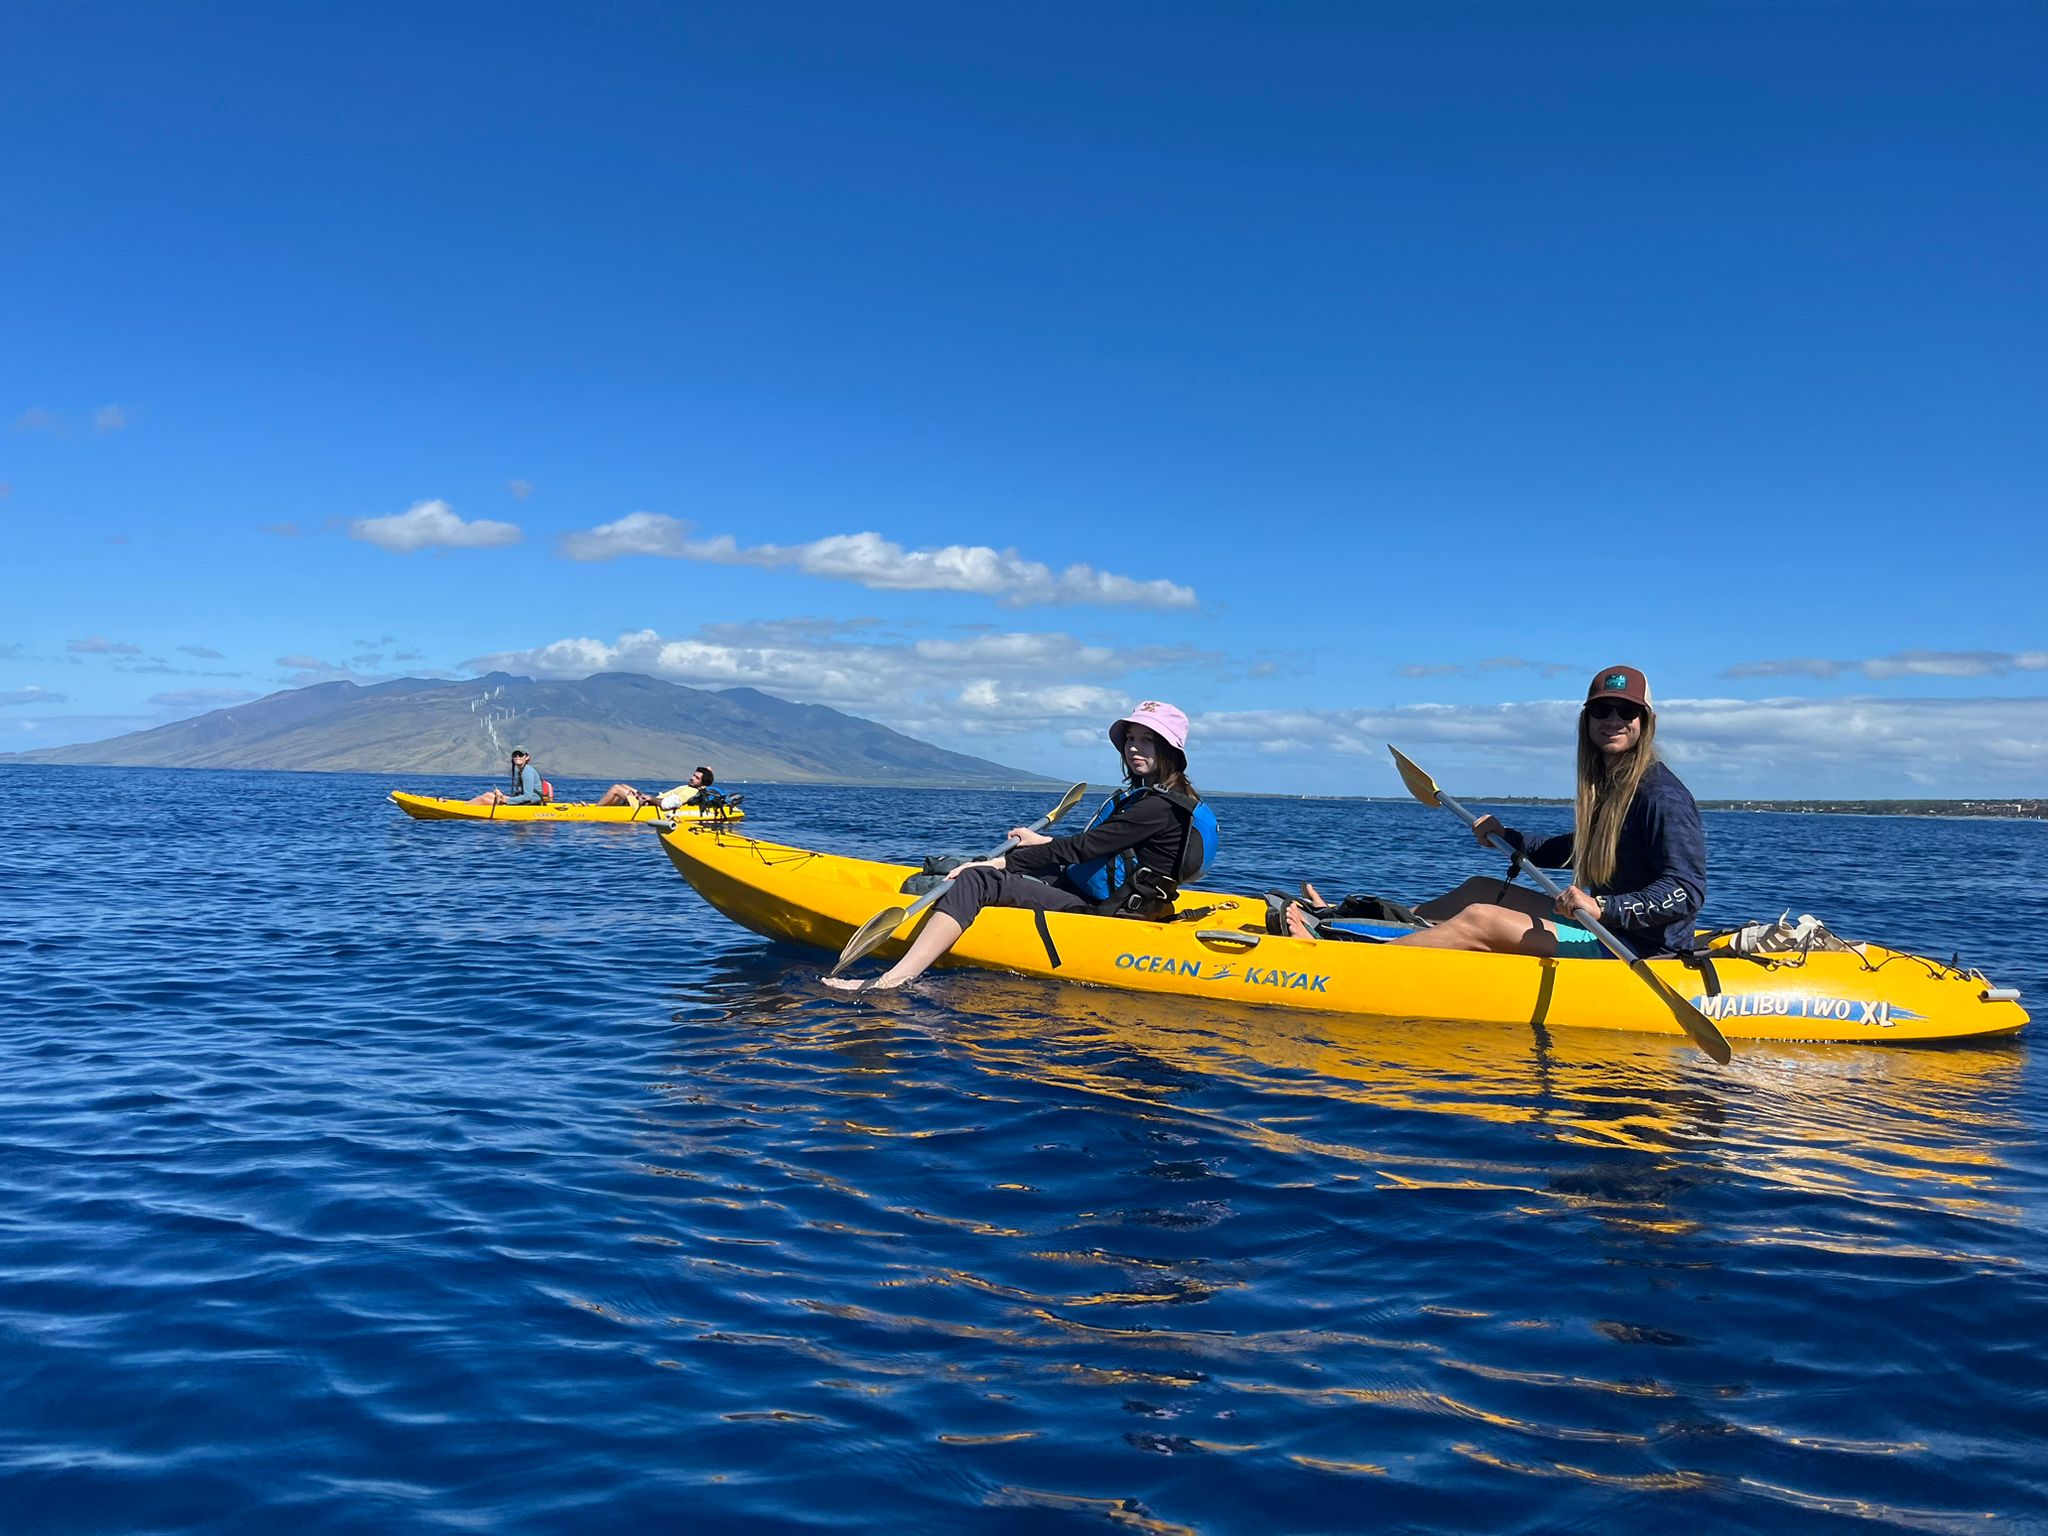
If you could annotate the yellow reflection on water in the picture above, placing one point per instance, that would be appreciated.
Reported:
(1921, 1128)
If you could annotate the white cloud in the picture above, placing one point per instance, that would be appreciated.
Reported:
(282, 530)
(637, 533)
(986, 683)
(520, 489)
(36, 419)
(1724, 748)
(109, 418)
(879, 564)
(1059, 702)
(100, 645)
(31, 695)
(203, 652)
(1899, 664)
(308, 664)
(432, 525)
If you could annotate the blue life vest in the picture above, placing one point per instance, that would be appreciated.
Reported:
(1107, 878)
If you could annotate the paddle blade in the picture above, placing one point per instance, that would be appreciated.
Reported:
(868, 937)
(1705, 1033)
(1068, 801)
(1420, 784)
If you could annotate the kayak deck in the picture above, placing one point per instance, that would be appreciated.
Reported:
(1217, 948)
(440, 808)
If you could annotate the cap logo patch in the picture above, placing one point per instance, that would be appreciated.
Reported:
(1614, 680)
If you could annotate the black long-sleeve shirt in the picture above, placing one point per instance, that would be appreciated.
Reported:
(1149, 824)
(1660, 867)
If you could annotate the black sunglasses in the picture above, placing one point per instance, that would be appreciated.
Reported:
(1614, 709)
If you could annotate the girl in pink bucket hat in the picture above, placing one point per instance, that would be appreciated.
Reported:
(1146, 839)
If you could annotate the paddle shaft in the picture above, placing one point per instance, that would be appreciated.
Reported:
(871, 934)
(997, 852)
(1703, 1031)
(1548, 886)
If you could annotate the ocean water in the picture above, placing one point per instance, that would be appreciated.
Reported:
(360, 1174)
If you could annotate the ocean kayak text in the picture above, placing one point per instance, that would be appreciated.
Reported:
(1224, 970)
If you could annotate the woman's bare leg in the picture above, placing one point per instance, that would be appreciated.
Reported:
(1498, 930)
(939, 934)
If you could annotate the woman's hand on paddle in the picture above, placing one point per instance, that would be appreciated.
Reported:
(1024, 837)
(1577, 905)
(1488, 830)
(994, 864)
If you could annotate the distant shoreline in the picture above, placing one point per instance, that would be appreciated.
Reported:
(1969, 810)
(2022, 809)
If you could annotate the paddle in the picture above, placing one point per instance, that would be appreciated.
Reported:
(1696, 1024)
(871, 934)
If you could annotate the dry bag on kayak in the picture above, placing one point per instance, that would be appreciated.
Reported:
(932, 874)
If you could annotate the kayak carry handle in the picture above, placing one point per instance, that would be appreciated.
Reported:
(1229, 936)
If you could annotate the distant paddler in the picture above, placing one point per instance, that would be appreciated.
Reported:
(1637, 851)
(695, 792)
(1146, 839)
(527, 787)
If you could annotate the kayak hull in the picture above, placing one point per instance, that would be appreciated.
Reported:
(1218, 950)
(439, 808)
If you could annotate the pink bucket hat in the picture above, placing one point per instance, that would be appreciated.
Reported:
(1162, 720)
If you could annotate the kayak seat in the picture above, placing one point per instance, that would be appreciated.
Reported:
(1368, 919)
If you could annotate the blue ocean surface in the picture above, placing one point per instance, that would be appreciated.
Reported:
(363, 1174)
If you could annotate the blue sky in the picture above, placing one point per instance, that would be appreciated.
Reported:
(1337, 372)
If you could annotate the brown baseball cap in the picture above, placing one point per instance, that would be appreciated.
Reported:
(1620, 683)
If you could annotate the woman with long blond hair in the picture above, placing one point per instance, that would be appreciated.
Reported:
(1637, 852)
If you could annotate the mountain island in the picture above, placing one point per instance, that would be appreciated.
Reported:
(612, 724)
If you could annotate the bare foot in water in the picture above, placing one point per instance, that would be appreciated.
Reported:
(848, 984)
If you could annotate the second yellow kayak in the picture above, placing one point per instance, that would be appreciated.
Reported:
(439, 808)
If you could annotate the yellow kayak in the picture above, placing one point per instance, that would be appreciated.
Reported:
(1218, 949)
(436, 808)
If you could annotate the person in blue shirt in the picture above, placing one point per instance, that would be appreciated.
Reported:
(1637, 851)
(525, 786)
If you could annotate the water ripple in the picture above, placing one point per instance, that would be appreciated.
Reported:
(358, 1174)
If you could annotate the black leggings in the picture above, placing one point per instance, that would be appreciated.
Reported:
(974, 889)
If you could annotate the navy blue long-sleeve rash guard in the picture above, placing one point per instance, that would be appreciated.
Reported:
(1660, 867)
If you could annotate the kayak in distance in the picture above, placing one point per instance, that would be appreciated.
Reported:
(648, 814)
(1218, 948)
